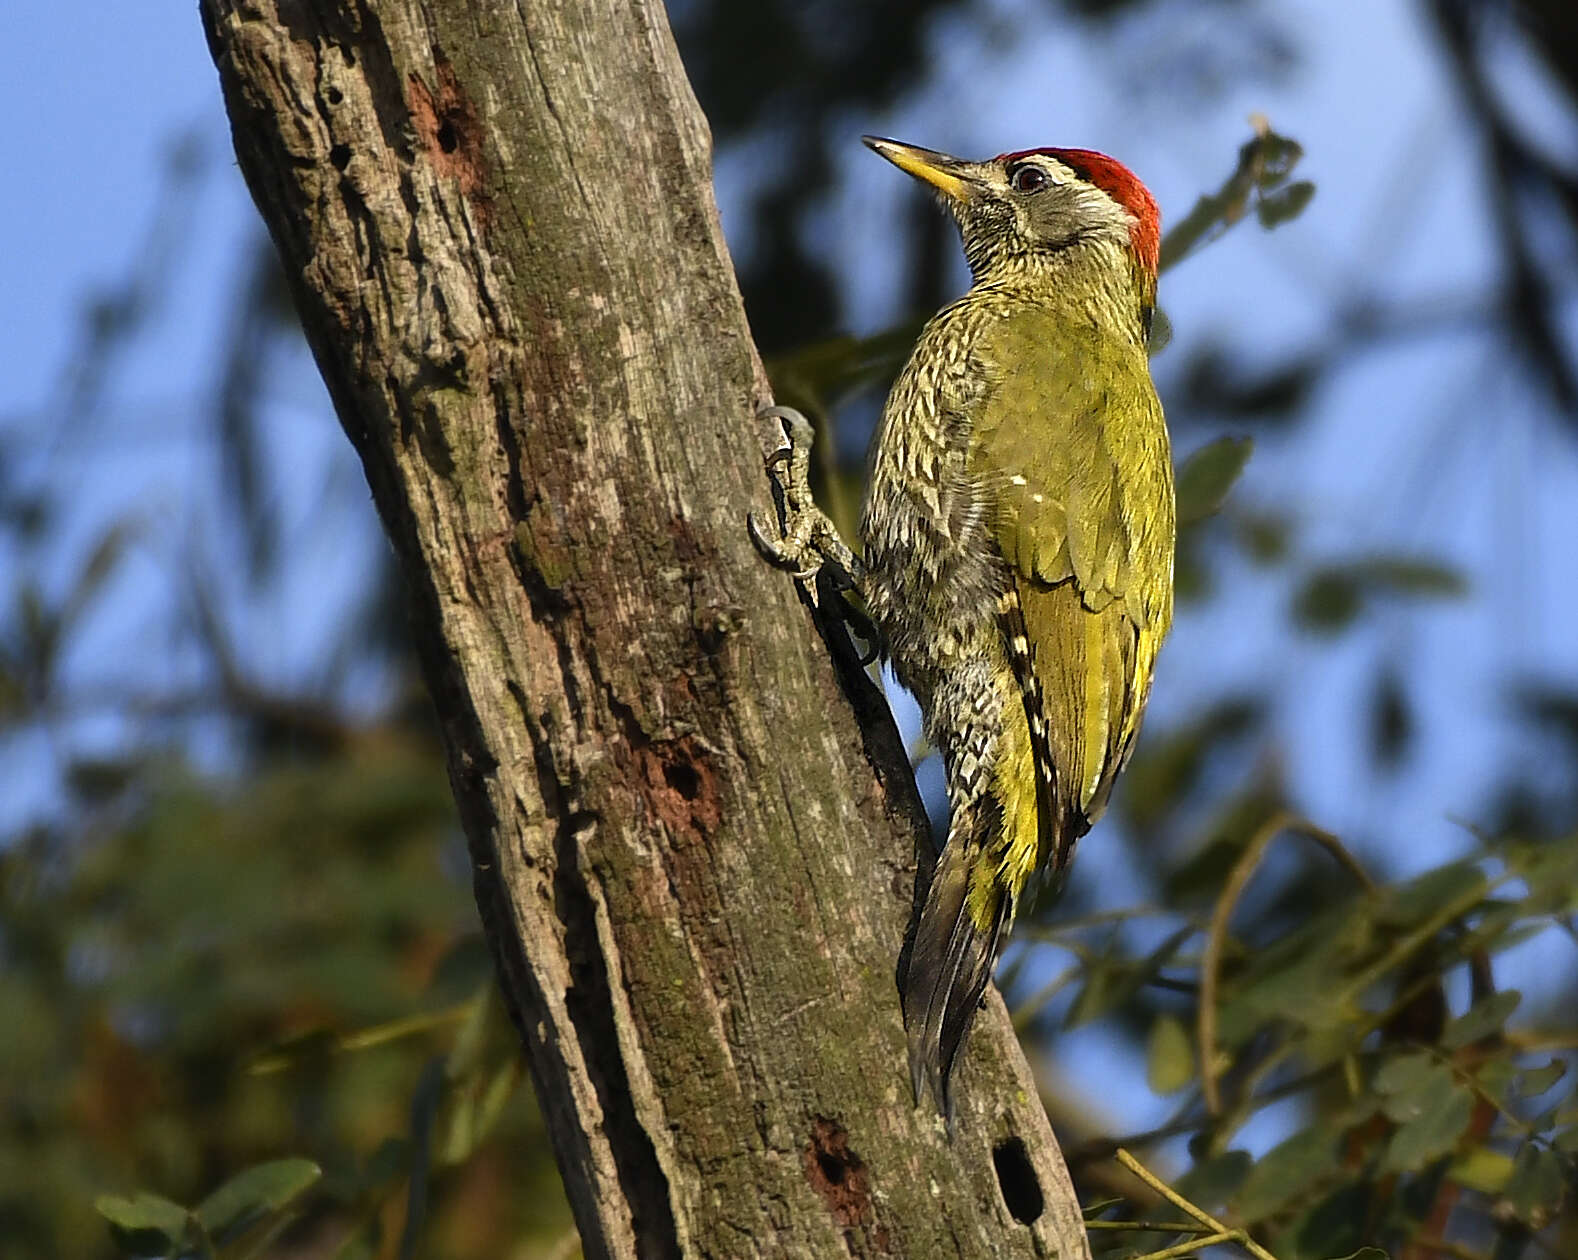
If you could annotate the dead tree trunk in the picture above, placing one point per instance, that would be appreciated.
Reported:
(693, 840)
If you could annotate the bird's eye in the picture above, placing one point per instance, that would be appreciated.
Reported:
(1027, 179)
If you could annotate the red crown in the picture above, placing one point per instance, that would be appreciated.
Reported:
(1122, 185)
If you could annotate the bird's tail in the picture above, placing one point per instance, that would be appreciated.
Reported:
(961, 932)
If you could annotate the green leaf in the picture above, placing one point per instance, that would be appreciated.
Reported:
(1332, 596)
(1485, 1017)
(1169, 1058)
(1537, 1080)
(254, 1193)
(1115, 980)
(425, 1102)
(1403, 1072)
(1332, 1227)
(465, 1056)
(1408, 905)
(1214, 1182)
(1442, 1116)
(1406, 576)
(1285, 204)
(1327, 601)
(145, 1224)
(1287, 1172)
(1207, 476)
(1482, 1169)
(1535, 1190)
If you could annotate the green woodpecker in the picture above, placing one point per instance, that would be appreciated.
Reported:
(1018, 539)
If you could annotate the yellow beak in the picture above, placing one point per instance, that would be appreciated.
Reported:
(944, 173)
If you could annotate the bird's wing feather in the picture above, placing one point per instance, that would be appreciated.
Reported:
(1082, 512)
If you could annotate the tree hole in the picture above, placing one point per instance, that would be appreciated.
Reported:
(832, 1168)
(447, 139)
(335, 96)
(340, 155)
(1016, 1178)
(683, 779)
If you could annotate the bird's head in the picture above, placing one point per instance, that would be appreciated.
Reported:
(1019, 208)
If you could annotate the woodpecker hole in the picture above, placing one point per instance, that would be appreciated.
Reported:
(1016, 1178)
(340, 155)
(683, 779)
(335, 96)
(840, 1176)
(447, 139)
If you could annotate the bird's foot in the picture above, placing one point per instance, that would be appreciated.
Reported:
(809, 543)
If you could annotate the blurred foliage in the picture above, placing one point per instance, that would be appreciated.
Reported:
(201, 977)
(1414, 1119)
(248, 1010)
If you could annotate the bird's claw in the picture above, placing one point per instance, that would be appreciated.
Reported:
(809, 541)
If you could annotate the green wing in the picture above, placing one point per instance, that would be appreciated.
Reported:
(1071, 450)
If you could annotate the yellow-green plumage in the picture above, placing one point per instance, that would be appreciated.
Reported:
(1018, 537)
(1082, 511)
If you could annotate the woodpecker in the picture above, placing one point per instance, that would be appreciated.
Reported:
(1017, 543)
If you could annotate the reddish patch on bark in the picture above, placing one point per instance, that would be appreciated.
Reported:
(679, 784)
(839, 1175)
(449, 132)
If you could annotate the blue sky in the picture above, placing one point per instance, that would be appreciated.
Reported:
(100, 95)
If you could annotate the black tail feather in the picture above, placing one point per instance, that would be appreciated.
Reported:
(950, 963)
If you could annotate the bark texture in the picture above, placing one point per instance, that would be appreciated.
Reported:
(693, 831)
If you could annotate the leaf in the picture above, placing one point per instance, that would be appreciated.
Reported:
(145, 1224)
(1482, 1169)
(1264, 536)
(424, 1110)
(1333, 1226)
(1169, 1057)
(1485, 1017)
(254, 1193)
(1285, 204)
(465, 1056)
(1407, 905)
(1215, 1181)
(1406, 576)
(1208, 474)
(1287, 1172)
(1263, 163)
(1116, 980)
(1161, 333)
(1536, 1188)
(1536, 1081)
(1443, 1115)
(1327, 601)
(1402, 1072)
(1391, 720)
(1333, 595)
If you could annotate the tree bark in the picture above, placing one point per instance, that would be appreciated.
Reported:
(693, 828)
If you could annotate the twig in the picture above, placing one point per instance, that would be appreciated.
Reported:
(1237, 880)
(1200, 1214)
(1189, 1245)
(1152, 1227)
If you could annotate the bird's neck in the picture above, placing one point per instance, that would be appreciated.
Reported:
(1090, 279)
